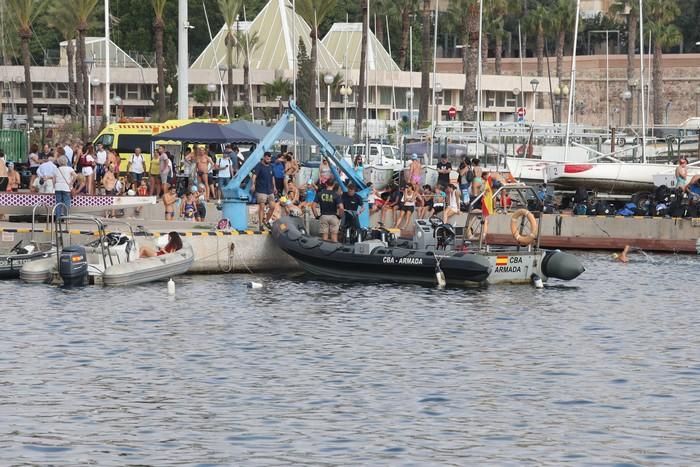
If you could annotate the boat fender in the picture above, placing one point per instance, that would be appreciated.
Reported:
(537, 281)
(171, 287)
(440, 276)
(620, 141)
(523, 239)
(254, 285)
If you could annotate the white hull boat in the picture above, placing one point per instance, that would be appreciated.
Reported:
(624, 177)
(20, 204)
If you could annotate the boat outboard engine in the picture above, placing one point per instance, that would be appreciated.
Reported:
(73, 266)
(444, 234)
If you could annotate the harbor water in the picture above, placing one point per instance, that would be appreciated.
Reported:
(603, 370)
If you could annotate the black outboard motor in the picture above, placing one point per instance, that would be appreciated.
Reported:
(73, 266)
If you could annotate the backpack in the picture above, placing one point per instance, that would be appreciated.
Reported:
(470, 175)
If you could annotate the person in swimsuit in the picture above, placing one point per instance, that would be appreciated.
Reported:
(682, 173)
(415, 170)
(203, 162)
(189, 207)
(174, 244)
(324, 172)
(477, 182)
(169, 201)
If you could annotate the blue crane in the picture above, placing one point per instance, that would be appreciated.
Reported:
(236, 194)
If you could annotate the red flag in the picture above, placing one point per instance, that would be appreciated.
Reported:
(487, 199)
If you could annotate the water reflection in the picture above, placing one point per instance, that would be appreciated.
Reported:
(604, 369)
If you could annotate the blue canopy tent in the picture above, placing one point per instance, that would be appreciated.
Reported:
(199, 132)
(305, 138)
(256, 130)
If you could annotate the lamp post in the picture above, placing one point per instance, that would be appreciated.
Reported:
(169, 92)
(626, 96)
(346, 92)
(534, 82)
(89, 64)
(560, 93)
(95, 84)
(438, 91)
(211, 87)
(409, 102)
(516, 92)
(328, 79)
(44, 111)
(633, 83)
(117, 101)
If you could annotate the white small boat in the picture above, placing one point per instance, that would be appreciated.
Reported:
(11, 261)
(112, 260)
(21, 203)
(623, 177)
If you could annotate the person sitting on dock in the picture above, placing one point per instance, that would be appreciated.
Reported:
(682, 173)
(452, 203)
(391, 204)
(331, 211)
(174, 244)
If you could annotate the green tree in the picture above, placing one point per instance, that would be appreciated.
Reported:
(158, 28)
(247, 43)
(404, 10)
(426, 61)
(630, 10)
(465, 17)
(229, 10)
(84, 11)
(280, 87)
(563, 15)
(24, 12)
(314, 12)
(62, 18)
(305, 79)
(496, 22)
(361, 96)
(660, 15)
(537, 23)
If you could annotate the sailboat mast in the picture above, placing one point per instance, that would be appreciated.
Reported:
(572, 94)
(641, 83)
(478, 81)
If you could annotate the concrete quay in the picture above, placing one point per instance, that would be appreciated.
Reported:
(254, 250)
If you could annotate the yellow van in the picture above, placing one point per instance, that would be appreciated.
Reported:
(126, 136)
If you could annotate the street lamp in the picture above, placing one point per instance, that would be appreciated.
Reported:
(117, 101)
(95, 83)
(346, 92)
(44, 111)
(89, 64)
(438, 90)
(534, 82)
(169, 92)
(626, 96)
(560, 93)
(328, 79)
(212, 89)
(516, 92)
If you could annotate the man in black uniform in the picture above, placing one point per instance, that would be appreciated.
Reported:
(331, 208)
(352, 205)
(444, 168)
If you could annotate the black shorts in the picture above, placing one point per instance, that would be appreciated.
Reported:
(279, 184)
(201, 211)
(33, 169)
(408, 208)
(438, 209)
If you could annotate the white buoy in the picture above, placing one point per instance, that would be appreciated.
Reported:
(254, 285)
(440, 276)
(537, 281)
(171, 287)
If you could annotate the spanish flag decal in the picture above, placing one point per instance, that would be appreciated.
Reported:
(501, 260)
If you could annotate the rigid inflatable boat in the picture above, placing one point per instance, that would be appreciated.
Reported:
(12, 261)
(376, 260)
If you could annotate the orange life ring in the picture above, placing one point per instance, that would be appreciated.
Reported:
(523, 239)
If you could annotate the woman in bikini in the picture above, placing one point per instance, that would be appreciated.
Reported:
(174, 244)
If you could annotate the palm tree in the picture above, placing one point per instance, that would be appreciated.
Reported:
(247, 43)
(405, 8)
(563, 15)
(497, 11)
(660, 16)
(24, 12)
(630, 9)
(425, 63)
(465, 14)
(314, 12)
(84, 10)
(279, 88)
(537, 23)
(360, 110)
(62, 18)
(229, 10)
(159, 27)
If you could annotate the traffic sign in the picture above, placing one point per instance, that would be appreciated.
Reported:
(521, 112)
(452, 112)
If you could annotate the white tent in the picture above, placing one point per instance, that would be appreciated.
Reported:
(95, 49)
(344, 41)
(278, 29)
